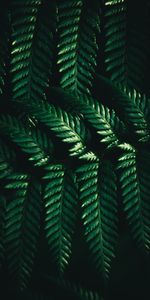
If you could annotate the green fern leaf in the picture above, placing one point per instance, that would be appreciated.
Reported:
(59, 122)
(19, 135)
(102, 119)
(141, 100)
(133, 169)
(127, 110)
(23, 210)
(42, 139)
(78, 25)
(97, 193)
(126, 42)
(115, 39)
(60, 198)
(32, 47)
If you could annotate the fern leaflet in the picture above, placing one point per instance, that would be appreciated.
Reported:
(60, 123)
(23, 210)
(97, 193)
(133, 169)
(19, 135)
(127, 110)
(78, 24)
(60, 198)
(32, 47)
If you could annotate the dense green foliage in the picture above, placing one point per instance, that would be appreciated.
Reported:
(74, 142)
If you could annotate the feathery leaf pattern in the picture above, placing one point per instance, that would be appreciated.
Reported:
(32, 47)
(134, 181)
(60, 196)
(74, 145)
(78, 24)
(97, 193)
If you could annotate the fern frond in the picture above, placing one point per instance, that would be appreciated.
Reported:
(60, 196)
(115, 39)
(102, 119)
(126, 42)
(59, 122)
(141, 100)
(17, 133)
(32, 47)
(23, 210)
(2, 224)
(42, 139)
(127, 110)
(97, 193)
(78, 25)
(73, 121)
(134, 180)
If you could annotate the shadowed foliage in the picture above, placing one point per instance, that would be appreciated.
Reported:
(74, 149)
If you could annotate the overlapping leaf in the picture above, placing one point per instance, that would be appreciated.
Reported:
(100, 118)
(60, 123)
